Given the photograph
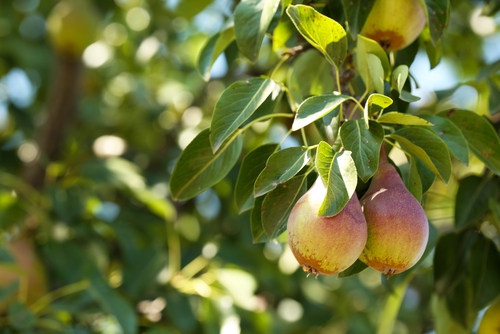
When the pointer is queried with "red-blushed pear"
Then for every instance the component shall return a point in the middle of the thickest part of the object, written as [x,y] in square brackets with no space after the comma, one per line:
[32,271]
[394,24]
[397,225]
[325,245]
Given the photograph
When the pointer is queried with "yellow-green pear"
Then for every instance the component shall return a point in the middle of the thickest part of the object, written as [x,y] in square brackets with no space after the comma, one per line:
[394,24]
[72,26]
[490,323]
[397,225]
[325,245]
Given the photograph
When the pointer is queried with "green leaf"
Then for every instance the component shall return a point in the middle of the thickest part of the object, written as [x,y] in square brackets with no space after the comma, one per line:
[112,302]
[438,15]
[213,49]
[364,143]
[278,204]
[372,63]
[495,210]
[403,119]
[258,232]
[399,77]
[428,147]
[356,13]
[328,126]
[459,302]
[310,75]
[472,200]
[326,35]
[268,106]
[480,134]
[236,104]
[324,159]
[186,9]
[342,181]
[426,176]
[408,97]
[354,269]
[375,104]
[451,135]
[251,21]
[21,317]
[316,107]
[281,34]
[198,168]
[433,50]
[414,183]
[484,265]
[252,165]
[281,167]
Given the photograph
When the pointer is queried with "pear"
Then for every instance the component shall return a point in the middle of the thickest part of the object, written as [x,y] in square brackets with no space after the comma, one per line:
[490,323]
[394,24]
[325,245]
[397,225]
[29,267]
[72,26]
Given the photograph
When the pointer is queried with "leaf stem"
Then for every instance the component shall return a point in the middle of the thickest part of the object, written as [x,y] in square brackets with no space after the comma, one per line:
[280,63]
[48,298]
[304,138]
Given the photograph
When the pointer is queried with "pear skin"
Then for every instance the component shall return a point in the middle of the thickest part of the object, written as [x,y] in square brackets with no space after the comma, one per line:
[397,225]
[395,24]
[325,245]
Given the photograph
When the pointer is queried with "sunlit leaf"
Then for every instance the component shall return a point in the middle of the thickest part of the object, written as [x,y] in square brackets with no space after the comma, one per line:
[342,181]
[281,167]
[251,21]
[324,159]
[403,119]
[236,104]
[316,107]
[198,168]
[375,104]
[364,143]
[326,35]
[372,63]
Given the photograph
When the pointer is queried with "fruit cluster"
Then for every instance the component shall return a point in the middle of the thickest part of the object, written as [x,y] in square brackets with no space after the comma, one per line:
[387,229]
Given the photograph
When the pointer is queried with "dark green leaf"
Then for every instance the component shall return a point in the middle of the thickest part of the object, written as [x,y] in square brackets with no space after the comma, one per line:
[236,104]
[403,119]
[480,134]
[253,164]
[188,11]
[326,35]
[356,13]
[495,210]
[278,204]
[342,181]
[451,135]
[354,269]
[213,49]
[426,176]
[484,265]
[316,107]
[472,200]
[414,183]
[251,21]
[258,232]
[459,302]
[328,126]
[198,168]
[428,147]
[21,317]
[113,303]
[281,167]
[311,74]
[268,106]
[438,12]
[434,50]
[364,144]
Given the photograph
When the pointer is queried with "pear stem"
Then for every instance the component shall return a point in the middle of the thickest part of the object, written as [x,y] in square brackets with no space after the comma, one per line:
[383,154]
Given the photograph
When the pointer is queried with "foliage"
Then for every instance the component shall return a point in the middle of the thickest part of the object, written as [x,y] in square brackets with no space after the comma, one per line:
[156,185]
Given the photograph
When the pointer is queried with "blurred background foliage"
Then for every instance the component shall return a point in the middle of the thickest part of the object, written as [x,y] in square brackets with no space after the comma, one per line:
[104,248]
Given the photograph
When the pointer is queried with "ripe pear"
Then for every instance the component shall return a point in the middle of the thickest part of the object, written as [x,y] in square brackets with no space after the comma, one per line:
[325,245]
[72,26]
[397,225]
[490,324]
[31,268]
[395,24]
